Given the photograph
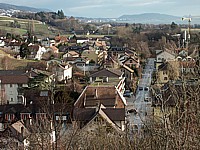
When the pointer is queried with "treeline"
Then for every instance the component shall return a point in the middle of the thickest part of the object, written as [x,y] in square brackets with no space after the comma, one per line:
[41,16]
[57,19]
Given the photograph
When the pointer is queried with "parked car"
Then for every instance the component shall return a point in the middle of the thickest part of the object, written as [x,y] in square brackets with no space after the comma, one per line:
[128,93]
[140,88]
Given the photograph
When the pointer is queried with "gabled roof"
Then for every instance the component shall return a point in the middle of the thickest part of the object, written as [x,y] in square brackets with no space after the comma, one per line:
[14,79]
[115,114]
[108,72]
[96,95]
[166,51]
[83,114]
[163,66]
[86,116]
[132,58]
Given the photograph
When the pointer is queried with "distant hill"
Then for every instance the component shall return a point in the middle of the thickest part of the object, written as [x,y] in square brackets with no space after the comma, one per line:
[9,7]
[154,18]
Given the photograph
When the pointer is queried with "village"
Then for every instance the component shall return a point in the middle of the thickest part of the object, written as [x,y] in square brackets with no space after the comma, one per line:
[69,88]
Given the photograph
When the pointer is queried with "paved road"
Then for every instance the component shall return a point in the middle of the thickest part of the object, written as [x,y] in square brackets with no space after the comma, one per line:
[142,103]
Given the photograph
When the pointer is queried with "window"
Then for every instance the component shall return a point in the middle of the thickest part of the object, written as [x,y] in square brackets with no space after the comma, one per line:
[164,72]
[11,99]
[10,85]
[19,85]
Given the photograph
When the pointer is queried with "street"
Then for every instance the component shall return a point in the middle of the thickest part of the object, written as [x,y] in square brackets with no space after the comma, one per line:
[142,103]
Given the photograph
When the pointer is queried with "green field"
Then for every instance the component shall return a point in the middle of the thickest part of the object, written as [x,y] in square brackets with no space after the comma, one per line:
[40,29]
[16,31]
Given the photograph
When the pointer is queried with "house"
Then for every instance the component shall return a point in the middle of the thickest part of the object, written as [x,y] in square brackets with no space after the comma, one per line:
[40,52]
[108,76]
[186,62]
[105,101]
[122,58]
[2,43]
[54,49]
[34,50]
[14,46]
[162,73]
[60,40]
[91,120]
[93,96]
[187,66]
[15,136]
[81,40]
[163,56]
[14,82]
[47,42]
[116,51]
[129,73]
[71,54]
[63,72]
[132,62]
[11,81]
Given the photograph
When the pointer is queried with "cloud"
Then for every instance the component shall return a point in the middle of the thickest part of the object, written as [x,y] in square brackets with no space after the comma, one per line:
[106,8]
[80,8]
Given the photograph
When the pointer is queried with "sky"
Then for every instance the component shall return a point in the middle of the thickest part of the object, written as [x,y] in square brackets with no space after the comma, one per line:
[114,8]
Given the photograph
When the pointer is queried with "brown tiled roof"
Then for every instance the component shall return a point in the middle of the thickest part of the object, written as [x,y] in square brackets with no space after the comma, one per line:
[14,79]
[11,72]
[100,95]
[115,114]
[107,72]
[108,102]
[83,114]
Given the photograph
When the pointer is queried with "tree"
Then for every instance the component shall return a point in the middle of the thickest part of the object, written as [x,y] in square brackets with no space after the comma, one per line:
[24,50]
[61,14]
[174,26]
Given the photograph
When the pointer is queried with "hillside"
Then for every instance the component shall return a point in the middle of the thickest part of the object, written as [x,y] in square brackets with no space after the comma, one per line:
[154,18]
[40,29]
[9,63]
[6,7]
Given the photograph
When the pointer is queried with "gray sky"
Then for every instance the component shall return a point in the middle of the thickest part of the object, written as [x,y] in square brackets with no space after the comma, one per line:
[114,8]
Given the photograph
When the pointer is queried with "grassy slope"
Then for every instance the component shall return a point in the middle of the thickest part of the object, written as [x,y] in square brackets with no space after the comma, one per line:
[40,28]
[11,63]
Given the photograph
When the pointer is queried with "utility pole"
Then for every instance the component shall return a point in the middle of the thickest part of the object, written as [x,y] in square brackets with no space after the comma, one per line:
[187,36]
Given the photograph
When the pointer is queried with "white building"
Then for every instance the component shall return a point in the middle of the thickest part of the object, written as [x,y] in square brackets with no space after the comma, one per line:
[10,88]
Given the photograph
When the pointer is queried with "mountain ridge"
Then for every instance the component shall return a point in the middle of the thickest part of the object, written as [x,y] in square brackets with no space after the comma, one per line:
[150,18]
[5,6]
